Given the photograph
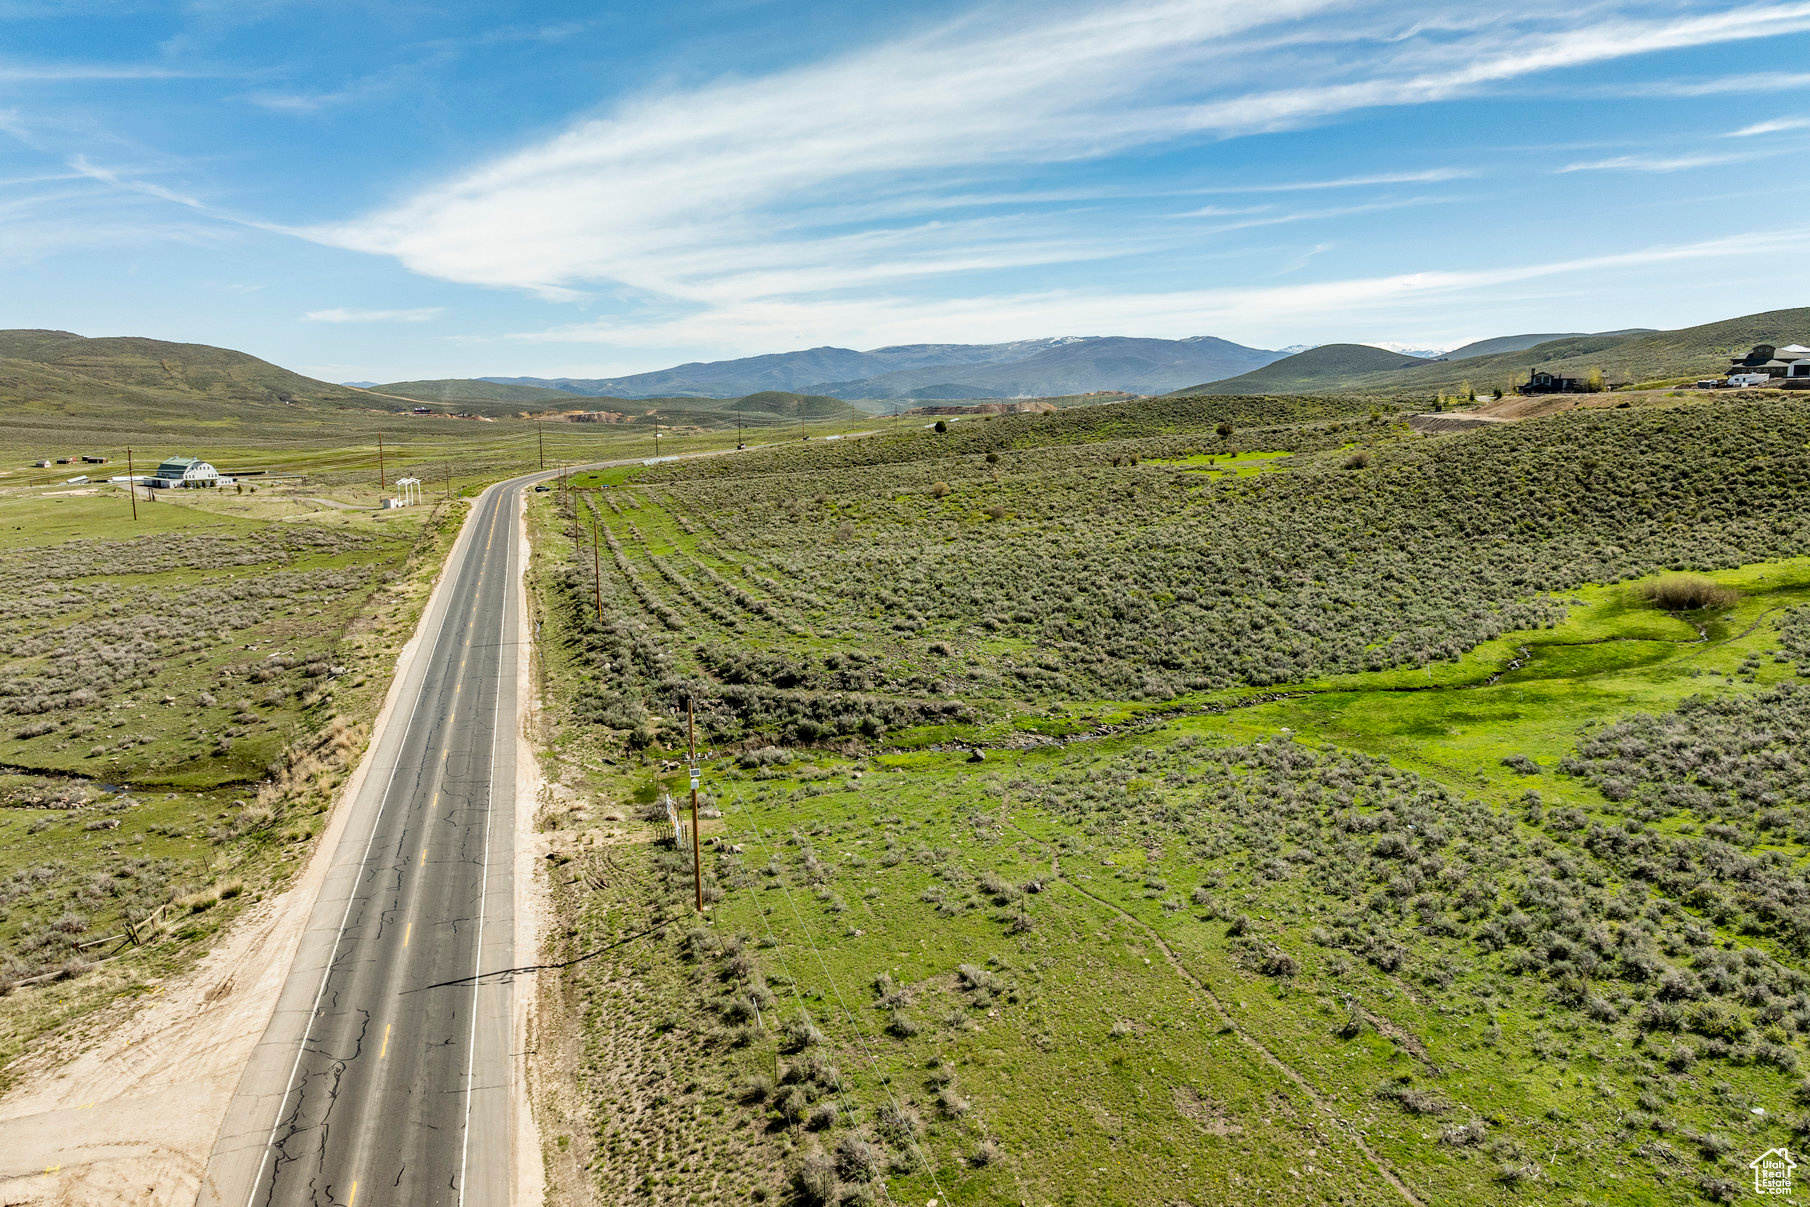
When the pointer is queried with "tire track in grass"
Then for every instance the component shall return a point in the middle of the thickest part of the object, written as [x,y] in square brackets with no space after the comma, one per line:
[1268,1057]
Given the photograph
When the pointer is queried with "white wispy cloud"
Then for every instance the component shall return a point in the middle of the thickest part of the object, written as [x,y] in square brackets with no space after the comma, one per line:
[1651,163]
[24,73]
[665,194]
[1723,85]
[1429,176]
[878,321]
[342,314]
[1337,211]
[1776,126]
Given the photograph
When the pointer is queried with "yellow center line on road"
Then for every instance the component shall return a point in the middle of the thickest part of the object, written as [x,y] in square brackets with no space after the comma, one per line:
[424,849]
[353,1197]
[386,1042]
[407,933]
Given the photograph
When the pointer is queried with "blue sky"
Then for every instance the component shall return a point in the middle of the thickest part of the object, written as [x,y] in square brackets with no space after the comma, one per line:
[385,191]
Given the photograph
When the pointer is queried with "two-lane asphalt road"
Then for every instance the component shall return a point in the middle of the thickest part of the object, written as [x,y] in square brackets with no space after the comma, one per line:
[384,1076]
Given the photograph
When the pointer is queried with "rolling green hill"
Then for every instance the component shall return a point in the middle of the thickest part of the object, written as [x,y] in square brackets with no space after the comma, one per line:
[502,398]
[56,386]
[467,389]
[59,389]
[1622,357]
[785,405]
[60,370]
[1311,372]
[1508,343]
[1515,343]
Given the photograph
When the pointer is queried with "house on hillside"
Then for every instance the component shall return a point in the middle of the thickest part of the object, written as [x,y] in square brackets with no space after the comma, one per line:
[185,472]
[1793,360]
[1540,382]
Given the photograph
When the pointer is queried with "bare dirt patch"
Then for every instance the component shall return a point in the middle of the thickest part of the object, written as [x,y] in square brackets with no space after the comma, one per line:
[1205,1113]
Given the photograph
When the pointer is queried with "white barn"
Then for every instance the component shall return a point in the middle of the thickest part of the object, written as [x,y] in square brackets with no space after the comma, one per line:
[185,471]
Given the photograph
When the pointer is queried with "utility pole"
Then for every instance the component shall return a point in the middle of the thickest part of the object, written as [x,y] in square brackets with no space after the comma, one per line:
[739,442]
[691,766]
[596,569]
[656,434]
[380,480]
[538,435]
[131,486]
[449,481]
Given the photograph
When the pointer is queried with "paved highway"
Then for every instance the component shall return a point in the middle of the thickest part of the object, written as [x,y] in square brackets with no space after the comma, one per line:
[384,1076]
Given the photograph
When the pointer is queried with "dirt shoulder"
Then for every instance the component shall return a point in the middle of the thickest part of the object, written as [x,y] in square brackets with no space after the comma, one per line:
[531,905]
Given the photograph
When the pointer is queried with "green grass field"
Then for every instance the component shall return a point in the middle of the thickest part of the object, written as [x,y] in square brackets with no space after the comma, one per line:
[1163,1018]
[1464,928]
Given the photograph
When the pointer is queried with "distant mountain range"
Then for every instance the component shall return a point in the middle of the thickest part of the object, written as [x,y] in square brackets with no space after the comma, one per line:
[1037,368]
[1074,368]
[61,384]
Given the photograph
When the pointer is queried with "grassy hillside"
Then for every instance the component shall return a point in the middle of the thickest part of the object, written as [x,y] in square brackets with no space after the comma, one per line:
[1348,825]
[60,371]
[1642,356]
[1310,372]
[467,389]
[781,404]
[63,395]
[1516,343]
[1508,343]
[59,389]
[496,398]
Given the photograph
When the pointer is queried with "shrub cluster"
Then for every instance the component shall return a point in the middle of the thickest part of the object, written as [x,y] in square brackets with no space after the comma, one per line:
[1733,765]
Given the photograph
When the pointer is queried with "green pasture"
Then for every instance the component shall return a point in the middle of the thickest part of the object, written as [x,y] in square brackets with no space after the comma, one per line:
[1237,465]
[1115,1058]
